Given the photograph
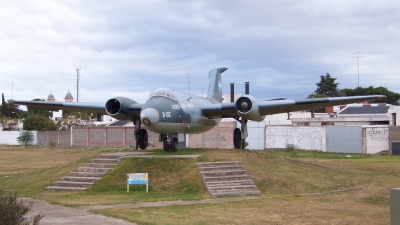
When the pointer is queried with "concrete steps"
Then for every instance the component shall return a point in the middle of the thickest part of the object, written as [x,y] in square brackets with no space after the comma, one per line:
[227,178]
[84,177]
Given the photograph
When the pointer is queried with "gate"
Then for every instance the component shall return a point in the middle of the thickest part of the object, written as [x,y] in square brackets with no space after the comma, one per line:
[344,139]
[395,148]
[256,138]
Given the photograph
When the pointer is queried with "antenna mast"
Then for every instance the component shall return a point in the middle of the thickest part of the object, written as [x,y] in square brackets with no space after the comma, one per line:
[78,76]
[188,77]
[358,65]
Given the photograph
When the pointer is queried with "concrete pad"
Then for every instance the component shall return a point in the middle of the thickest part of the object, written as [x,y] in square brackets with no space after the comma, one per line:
[55,214]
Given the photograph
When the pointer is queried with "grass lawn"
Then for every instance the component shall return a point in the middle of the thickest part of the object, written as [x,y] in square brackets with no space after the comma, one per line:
[288,180]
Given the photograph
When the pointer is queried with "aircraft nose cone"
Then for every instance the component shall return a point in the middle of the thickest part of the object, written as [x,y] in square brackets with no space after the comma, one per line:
[149,116]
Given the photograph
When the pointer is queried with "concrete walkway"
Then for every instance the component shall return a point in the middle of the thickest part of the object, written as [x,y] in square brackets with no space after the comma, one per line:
[167,203]
[55,214]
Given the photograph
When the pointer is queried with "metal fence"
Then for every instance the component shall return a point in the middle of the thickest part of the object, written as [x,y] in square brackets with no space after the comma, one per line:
[344,139]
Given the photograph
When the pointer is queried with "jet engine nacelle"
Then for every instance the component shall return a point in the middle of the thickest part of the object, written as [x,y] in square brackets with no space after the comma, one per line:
[117,108]
[247,107]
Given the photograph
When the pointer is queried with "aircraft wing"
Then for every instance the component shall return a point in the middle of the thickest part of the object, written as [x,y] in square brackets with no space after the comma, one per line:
[261,108]
[280,106]
[89,107]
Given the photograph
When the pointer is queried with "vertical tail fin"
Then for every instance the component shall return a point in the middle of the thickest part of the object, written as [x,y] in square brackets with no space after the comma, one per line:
[215,86]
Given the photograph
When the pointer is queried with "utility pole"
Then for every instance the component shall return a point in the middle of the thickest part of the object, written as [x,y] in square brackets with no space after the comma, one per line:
[188,77]
[358,65]
[78,72]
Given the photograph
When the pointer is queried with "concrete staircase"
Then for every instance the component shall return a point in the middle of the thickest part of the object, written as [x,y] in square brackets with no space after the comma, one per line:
[84,177]
[227,178]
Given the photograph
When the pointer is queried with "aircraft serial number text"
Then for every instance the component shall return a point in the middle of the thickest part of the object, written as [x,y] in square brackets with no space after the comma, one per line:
[175,106]
[166,114]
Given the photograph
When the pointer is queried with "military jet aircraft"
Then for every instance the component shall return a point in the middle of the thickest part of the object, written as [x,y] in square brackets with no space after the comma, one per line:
[172,114]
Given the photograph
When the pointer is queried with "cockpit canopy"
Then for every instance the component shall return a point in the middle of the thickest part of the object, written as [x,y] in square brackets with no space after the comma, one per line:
[164,92]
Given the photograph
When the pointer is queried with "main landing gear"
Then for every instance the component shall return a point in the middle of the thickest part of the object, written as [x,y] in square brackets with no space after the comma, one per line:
[240,134]
[143,139]
[237,138]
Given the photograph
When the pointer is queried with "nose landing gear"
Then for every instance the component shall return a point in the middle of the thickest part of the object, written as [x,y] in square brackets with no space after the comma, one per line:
[170,143]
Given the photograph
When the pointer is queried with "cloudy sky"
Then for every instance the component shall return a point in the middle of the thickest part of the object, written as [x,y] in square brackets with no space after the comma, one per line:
[129,48]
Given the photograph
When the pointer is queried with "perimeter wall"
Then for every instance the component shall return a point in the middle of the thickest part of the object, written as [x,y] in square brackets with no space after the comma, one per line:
[367,139]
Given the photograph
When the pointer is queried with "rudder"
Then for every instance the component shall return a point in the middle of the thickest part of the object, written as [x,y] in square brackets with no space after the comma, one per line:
[215,85]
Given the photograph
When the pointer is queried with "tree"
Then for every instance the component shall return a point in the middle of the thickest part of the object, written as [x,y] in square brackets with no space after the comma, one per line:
[25,138]
[4,107]
[38,122]
[10,110]
[327,86]
[391,97]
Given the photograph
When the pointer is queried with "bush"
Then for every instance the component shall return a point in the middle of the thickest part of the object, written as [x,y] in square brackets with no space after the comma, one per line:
[13,209]
[52,144]
[291,148]
[25,138]
[38,122]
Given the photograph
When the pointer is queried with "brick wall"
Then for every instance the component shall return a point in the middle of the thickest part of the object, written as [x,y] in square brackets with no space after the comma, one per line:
[61,138]
[110,136]
[95,136]
[221,137]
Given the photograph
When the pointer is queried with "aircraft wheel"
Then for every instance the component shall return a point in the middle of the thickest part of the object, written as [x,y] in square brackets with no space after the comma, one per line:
[166,145]
[143,139]
[237,138]
[174,145]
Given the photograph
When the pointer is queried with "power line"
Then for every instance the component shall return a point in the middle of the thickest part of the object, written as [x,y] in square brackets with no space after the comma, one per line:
[358,65]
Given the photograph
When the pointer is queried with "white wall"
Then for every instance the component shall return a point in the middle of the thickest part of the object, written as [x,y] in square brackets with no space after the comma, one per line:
[376,139]
[306,138]
[9,137]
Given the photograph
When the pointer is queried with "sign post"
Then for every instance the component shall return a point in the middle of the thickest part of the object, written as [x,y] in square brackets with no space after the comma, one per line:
[138,179]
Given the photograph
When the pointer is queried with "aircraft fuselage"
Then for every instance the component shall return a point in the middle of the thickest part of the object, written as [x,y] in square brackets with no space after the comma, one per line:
[168,112]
